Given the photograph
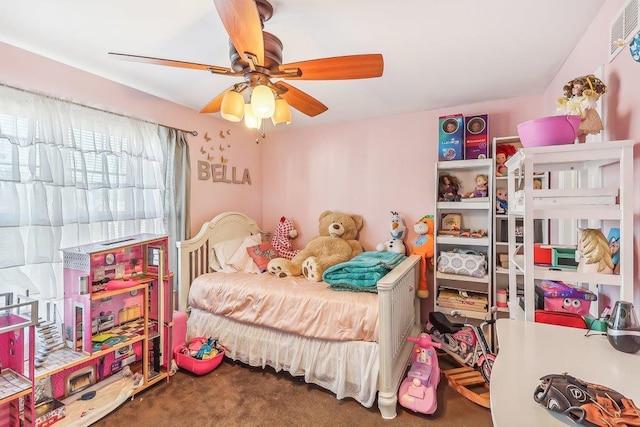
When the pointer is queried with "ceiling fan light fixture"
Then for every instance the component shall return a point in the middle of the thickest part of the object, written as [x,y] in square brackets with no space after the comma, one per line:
[263,102]
[250,119]
[282,112]
[232,107]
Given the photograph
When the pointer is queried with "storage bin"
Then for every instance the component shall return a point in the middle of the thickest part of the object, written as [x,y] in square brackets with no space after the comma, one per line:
[561,297]
[197,366]
[552,130]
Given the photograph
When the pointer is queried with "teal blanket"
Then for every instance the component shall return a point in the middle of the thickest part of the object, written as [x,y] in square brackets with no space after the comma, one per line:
[361,273]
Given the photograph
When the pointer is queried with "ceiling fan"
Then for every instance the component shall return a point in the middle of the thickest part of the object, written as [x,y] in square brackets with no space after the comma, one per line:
[256,55]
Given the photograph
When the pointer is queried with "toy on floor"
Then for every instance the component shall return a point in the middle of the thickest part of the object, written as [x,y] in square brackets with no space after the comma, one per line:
[418,390]
[465,342]
[397,229]
[424,246]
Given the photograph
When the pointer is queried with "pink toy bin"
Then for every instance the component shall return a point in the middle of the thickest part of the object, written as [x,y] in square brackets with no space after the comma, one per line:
[197,366]
[552,130]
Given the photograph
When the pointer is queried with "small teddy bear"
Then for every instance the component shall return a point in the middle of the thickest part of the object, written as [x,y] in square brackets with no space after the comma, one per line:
[282,236]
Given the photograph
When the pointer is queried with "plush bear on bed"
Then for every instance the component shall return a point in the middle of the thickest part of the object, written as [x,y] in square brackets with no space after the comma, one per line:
[336,243]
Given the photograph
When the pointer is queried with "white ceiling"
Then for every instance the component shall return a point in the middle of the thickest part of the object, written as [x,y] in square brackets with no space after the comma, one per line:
[437,53]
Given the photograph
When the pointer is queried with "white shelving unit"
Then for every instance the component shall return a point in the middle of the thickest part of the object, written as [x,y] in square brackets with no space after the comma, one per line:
[582,203]
[500,227]
[476,215]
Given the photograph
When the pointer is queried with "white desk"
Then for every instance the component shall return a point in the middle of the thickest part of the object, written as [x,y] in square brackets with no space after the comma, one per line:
[530,350]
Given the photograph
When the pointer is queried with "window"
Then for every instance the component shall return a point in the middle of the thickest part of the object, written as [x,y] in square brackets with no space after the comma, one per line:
[70,175]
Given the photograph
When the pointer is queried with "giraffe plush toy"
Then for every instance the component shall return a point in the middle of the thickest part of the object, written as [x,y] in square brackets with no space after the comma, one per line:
[282,236]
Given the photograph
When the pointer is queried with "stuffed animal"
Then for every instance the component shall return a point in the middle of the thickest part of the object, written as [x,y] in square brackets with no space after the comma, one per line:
[282,236]
[424,246]
[398,231]
[336,243]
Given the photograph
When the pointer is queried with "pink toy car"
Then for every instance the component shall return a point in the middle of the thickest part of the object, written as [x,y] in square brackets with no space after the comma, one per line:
[418,391]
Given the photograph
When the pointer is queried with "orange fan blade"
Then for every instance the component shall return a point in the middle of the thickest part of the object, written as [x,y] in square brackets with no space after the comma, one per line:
[171,63]
[300,100]
[336,68]
[242,21]
[214,105]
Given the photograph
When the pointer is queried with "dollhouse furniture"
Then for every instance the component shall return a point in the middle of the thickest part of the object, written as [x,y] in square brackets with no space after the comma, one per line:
[587,202]
[18,317]
[295,330]
[117,312]
[530,350]
[117,294]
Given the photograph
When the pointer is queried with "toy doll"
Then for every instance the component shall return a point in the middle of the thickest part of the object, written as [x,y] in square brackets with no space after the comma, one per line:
[537,184]
[481,189]
[503,152]
[502,206]
[594,252]
[580,97]
[448,189]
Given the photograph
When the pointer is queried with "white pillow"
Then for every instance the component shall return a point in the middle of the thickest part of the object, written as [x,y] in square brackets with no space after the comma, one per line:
[241,260]
[222,252]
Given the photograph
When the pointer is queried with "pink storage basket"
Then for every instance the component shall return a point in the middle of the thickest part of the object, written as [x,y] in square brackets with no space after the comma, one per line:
[552,130]
[197,366]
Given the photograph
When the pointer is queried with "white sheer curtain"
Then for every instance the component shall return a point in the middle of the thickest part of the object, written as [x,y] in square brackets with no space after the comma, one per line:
[70,175]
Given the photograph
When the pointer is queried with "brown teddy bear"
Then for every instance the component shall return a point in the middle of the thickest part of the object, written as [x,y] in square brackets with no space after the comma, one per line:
[336,243]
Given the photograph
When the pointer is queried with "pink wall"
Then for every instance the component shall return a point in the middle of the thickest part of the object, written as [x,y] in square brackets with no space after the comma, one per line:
[621,103]
[32,72]
[368,167]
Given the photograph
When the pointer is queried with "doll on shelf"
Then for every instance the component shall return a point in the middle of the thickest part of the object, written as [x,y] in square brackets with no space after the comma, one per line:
[448,187]
[503,152]
[537,184]
[481,189]
[580,97]
[502,206]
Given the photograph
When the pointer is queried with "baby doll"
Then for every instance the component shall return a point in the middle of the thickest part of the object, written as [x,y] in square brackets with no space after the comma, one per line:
[481,189]
[503,152]
[502,206]
[448,189]
[580,97]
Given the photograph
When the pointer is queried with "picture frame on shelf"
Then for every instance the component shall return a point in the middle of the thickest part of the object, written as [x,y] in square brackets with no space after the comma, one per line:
[451,222]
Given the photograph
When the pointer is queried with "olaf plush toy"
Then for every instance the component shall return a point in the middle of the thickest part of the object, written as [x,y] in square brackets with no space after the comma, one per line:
[398,230]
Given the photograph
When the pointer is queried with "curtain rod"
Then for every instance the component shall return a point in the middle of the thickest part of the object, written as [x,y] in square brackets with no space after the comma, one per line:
[192,132]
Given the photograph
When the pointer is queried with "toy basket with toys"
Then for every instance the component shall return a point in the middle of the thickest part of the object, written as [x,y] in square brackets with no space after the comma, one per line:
[199,355]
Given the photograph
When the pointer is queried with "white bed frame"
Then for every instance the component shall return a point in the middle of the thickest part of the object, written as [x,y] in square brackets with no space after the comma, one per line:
[398,313]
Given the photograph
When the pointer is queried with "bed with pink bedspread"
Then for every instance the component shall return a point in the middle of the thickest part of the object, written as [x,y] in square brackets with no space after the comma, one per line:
[351,343]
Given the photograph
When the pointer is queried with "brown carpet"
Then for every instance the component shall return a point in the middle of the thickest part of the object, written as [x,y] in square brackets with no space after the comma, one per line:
[236,394]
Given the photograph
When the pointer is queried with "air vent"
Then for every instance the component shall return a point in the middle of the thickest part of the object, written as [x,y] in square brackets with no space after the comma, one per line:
[623,28]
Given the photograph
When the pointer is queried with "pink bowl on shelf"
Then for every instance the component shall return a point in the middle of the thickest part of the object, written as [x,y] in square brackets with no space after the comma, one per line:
[552,130]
